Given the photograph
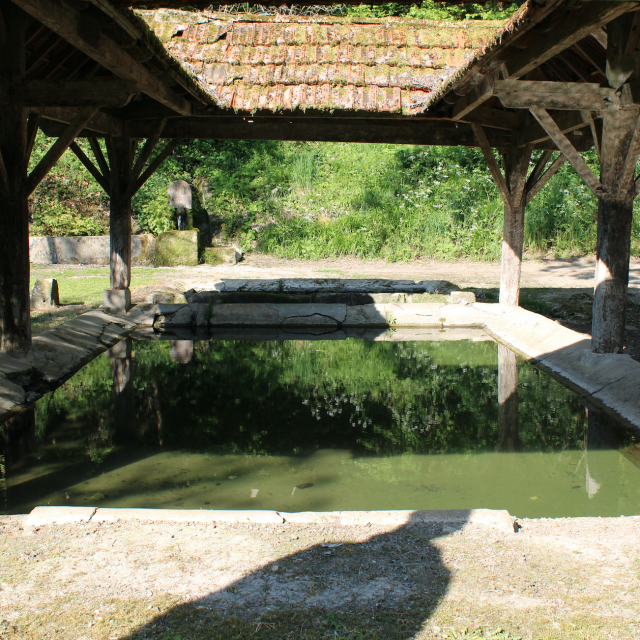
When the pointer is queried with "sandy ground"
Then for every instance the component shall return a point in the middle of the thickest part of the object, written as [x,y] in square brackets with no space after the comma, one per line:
[567,578]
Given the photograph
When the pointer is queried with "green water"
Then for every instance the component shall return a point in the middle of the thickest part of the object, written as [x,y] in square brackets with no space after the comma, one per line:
[318,425]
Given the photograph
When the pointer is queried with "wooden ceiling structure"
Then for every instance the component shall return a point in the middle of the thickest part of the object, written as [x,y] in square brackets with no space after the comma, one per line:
[560,75]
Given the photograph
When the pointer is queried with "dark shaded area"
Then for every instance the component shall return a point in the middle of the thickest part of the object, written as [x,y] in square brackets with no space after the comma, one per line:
[385,587]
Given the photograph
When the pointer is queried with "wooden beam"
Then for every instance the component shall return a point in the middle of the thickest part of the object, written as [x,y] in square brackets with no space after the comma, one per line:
[592,16]
[538,169]
[440,132]
[495,118]
[155,163]
[567,121]
[627,182]
[75,93]
[87,37]
[525,94]
[91,168]
[548,174]
[567,149]
[58,148]
[473,99]
[492,163]
[100,159]
[32,131]
[141,160]
[4,176]
[100,123]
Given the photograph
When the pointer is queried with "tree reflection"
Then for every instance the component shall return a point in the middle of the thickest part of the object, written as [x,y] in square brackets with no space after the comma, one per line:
[508,439]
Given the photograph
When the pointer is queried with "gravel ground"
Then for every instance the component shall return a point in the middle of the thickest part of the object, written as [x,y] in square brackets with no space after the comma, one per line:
[566,578]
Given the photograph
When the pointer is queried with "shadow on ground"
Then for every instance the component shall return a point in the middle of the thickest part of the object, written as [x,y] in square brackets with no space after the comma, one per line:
[383,587]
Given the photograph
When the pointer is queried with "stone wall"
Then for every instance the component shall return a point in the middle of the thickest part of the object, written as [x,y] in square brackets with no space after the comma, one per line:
[169,249]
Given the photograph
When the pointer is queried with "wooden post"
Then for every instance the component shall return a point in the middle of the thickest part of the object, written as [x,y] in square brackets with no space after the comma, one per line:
[618,156]
[508,439]
[15,329]
[516,165]
[120,151]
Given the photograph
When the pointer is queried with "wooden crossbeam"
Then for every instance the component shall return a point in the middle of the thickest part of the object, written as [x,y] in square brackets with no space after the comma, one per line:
[533,191]
[57,149]
[32,131]
[91,168]
[564,34]
[4,176]
[525,94]
[151,142]
[473,99]
[75,93]
[492,163]
[86,36]
[100,159]
[155,163]
[547,122]
[100,123]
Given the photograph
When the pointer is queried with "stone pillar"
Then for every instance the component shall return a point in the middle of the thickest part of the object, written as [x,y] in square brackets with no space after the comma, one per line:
[15,319]
[120,151]
[508,439]
[516,165]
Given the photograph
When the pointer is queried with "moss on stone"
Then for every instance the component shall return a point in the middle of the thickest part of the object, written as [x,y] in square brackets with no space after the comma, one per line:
[176,249]
[219,255]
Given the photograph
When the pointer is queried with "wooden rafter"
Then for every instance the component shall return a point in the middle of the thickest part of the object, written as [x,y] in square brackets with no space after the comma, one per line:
[87,37]
[567,121]
[564,34]
[473,99]
[563,143]
[57,149]
[4,176]
[100,123]
[32,131]
[535,188]
[91,168]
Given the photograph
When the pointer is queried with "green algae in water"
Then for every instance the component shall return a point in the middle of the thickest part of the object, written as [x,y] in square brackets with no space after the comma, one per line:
[319,425]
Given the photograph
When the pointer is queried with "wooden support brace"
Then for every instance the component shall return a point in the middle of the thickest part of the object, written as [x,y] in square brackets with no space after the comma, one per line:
[91,168]
[57,149]
[563,143]
[155,163]
[538,169]
[141,160]
[548,174]
[491,161]
[627,182]
[4,177]
[32,131]
[100,159]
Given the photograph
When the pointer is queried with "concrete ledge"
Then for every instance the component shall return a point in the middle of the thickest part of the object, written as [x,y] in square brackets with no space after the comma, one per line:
[499,519]
[187,515]
[59,515]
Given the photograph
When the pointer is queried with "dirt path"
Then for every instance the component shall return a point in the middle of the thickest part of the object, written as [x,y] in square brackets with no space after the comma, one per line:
[568,578]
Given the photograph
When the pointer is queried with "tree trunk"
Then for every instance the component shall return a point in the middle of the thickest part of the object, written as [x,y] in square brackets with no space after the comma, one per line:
[15,328]
[516,165]
[508,439]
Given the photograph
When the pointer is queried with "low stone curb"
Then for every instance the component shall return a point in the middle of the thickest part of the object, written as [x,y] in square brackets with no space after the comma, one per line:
[499,519]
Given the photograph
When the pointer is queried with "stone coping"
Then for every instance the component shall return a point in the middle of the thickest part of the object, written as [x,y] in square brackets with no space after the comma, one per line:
[609,382]
[498,518]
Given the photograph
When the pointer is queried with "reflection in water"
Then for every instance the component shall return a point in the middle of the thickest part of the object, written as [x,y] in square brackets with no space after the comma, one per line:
[181,351]
[507,400]
[360,425]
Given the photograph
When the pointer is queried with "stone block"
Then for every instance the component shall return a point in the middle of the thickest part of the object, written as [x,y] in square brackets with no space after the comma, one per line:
[623,397]
[58,515]
[224,315]
[221,255]
[310,314]
[44,295]
[12,367]
[461,297]
[372,315]
[176,248]
[11,395]
[117,299]
[183,316]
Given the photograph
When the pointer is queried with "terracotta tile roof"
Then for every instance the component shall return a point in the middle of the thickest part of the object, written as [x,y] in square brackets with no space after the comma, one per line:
[275,63]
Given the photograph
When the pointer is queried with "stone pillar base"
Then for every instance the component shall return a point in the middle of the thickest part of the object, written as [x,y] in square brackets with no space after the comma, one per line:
[117,299]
